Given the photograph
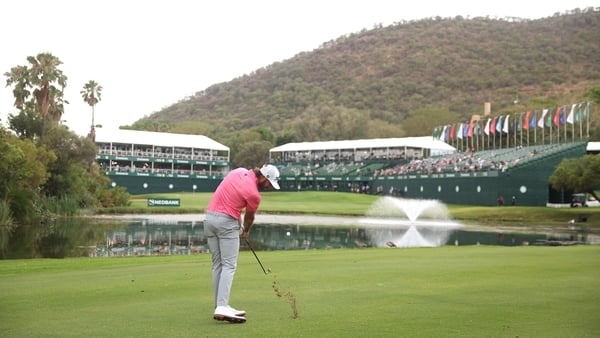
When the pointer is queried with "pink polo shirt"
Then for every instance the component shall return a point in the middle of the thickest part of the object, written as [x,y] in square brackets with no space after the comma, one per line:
[238,190]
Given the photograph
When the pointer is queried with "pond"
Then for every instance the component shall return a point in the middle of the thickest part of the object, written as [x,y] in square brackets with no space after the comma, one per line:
[131,235]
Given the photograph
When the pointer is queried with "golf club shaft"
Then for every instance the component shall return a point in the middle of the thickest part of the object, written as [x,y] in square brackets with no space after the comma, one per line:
[258,260]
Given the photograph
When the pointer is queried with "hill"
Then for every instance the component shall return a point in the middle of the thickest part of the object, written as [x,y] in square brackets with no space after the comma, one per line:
[398,80]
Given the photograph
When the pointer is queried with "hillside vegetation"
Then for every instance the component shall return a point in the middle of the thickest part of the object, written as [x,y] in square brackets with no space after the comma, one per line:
[398,80]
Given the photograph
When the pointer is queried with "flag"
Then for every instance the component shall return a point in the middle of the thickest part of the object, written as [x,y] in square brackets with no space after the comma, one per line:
[459,133]
[471,126]
[477,127]
[541,122]
[549,119]
[586,112]
[525,124]
[578,113]
[438,132]
[505,128]
[493,125]
[452,131]
[465,130]
[444,134]
[563,115]
[556,119]
[513,125]
[499,124]
[532,121]
[571,117]
[486,129]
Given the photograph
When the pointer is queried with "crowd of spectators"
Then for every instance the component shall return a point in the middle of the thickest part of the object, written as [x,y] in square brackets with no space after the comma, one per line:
[163,152]
[460,162]
[463,162]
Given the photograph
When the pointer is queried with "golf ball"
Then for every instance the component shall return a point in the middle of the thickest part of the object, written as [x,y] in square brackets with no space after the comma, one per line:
[287,233]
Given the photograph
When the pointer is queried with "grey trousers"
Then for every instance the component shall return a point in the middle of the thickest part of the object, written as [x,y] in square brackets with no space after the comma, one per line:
[223,234]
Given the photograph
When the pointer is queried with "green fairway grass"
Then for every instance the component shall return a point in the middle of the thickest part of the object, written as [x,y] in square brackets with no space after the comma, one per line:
[466,291]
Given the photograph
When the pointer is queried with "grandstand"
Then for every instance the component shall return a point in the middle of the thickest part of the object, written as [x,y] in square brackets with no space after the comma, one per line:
[151,162]
[425,170]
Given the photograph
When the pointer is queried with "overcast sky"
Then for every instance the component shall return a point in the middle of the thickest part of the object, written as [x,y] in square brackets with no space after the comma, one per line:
[150,54]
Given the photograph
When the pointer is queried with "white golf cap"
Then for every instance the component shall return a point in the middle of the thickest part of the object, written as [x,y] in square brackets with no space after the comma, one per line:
[271,173]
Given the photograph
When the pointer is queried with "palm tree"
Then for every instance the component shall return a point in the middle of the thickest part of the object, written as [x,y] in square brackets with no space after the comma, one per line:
[91,94]
[41,77]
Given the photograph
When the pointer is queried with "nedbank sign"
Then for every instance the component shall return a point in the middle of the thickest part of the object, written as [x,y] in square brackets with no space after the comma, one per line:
[164,202]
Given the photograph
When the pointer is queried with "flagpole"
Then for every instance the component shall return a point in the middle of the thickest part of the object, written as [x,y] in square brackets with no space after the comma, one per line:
[481,136]
[543,126]
[500,146]
[528,121]
[580,121]
[534,128]
[516,128]
[494,138]
[557,114]
[564,113]
[543,122]
[550,118]
[587,115]
[521,129]
[573,127]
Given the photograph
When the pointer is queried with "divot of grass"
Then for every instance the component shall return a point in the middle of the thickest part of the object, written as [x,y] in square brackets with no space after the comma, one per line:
[288,296]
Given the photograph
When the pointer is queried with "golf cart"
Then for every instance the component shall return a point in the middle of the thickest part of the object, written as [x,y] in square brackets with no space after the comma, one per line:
[581,200]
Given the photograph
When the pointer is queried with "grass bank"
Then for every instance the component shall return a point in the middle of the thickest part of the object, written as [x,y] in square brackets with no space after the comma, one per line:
[348,204]
[472,291]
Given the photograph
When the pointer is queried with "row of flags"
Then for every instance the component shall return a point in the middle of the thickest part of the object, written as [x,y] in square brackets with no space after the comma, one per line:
[518,122]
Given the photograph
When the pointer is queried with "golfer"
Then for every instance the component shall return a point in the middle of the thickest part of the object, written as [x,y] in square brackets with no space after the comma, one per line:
[224,225]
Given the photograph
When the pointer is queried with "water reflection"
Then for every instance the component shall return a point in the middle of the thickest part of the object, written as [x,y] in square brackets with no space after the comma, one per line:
[97,237]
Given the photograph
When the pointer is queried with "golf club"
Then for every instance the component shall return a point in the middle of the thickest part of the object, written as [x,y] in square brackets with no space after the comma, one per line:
[263,268]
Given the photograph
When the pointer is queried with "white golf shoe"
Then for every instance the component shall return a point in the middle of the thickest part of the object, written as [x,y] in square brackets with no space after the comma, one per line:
[239,313]
[228,314]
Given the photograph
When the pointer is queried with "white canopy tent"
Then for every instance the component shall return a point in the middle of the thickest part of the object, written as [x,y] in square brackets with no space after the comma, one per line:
[125,136]
[434,147]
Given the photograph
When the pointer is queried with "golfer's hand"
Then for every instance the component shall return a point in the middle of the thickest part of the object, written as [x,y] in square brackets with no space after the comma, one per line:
[244,235]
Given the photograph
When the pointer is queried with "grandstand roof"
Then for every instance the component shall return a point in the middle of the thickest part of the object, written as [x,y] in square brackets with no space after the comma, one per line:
[157,138]
[427,142]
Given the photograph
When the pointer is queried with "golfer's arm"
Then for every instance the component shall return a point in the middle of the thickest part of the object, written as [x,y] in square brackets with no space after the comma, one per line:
[248,221]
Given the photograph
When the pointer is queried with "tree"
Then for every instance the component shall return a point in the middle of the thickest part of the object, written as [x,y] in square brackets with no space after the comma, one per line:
[23,171]
[91,94]
[42,83]
[252,154]
[578,175]
[420,121]
[382,129]
[594,94]
[27,124]
[70,173]
[324,122]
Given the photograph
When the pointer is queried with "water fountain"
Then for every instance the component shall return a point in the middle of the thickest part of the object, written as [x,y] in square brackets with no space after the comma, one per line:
[399,222]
